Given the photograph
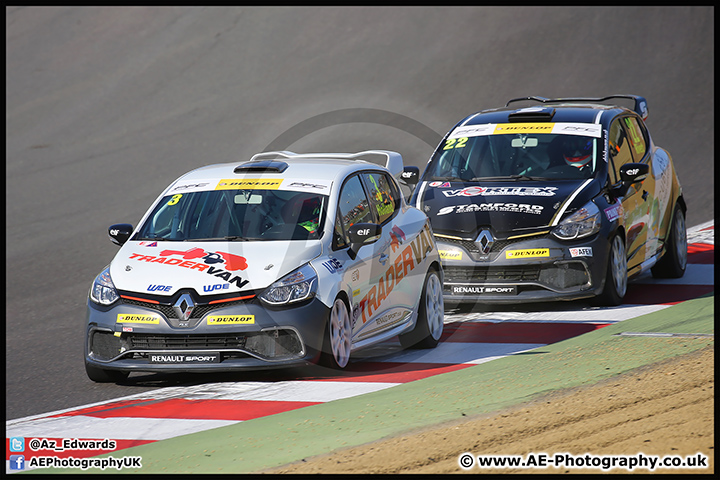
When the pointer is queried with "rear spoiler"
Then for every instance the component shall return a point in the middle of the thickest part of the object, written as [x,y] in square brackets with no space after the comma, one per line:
[393,162]
[640,107]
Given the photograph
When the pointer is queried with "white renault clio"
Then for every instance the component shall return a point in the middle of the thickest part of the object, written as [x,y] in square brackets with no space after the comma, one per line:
[283,260]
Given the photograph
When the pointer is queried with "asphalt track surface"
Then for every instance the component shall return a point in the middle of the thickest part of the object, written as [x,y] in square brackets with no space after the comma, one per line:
[105,106]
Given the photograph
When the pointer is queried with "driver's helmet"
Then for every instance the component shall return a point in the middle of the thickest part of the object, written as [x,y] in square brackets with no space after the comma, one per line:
[577,151]
[309,215]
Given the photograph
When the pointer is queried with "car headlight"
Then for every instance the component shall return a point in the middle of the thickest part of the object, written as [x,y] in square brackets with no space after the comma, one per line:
[102,290]
[293,287]
[582,223]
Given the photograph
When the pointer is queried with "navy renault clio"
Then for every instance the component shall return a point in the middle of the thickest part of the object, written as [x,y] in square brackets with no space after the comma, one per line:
[559,200]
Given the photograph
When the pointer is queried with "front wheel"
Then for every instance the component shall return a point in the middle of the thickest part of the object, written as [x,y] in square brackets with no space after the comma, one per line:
[431,316]
[337,343]
[615,276]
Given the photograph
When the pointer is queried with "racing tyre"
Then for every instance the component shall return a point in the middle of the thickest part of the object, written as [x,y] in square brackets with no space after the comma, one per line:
[431,315]
[336,351]
[104,376]
[673,263]
[616,275]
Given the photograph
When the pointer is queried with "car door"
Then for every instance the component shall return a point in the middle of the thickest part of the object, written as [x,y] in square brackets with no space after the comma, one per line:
[634,200]
[394,297]
[656,187]
[360,271]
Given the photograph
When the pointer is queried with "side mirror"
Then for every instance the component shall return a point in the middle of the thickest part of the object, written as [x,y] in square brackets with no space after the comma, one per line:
[120,233]
[634,172]
[410,175]
[630,173]
[362,234]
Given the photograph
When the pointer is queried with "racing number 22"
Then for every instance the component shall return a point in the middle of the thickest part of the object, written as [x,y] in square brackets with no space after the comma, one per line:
[450,144]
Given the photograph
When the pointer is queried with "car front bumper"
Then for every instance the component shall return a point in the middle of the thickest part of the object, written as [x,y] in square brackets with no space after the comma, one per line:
[278,337]
[536,269]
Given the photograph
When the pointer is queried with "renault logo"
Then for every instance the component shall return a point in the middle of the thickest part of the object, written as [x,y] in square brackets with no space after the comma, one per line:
[484,241]
[183,307]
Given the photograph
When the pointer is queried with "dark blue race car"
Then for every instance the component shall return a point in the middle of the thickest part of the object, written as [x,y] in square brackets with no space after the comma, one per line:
[561,200]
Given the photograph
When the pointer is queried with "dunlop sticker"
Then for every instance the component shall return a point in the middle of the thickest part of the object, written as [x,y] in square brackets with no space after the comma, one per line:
[535,252]
[231,320]
[524,128]
[450,254]
[132,318]
[249,184]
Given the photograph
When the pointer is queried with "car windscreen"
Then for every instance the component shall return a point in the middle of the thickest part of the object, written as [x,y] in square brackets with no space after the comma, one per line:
[236,215]
[515,156]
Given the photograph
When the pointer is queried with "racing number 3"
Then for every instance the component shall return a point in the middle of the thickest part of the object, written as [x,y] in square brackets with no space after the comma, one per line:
[450,144]
[175,199]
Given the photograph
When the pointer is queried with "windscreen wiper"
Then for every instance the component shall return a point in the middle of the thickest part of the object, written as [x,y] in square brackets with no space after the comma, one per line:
[513,178]
[449,179]
[229,238]
[158,239]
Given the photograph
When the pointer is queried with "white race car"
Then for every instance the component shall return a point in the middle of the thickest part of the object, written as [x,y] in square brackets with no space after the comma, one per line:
[283,260]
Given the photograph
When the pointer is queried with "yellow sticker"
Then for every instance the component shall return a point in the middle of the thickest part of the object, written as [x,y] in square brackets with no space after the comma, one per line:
[231,320]
[450,254]
[524,128]
[175,199]
[455,143]
[249,184]
[131,318]
[535,252]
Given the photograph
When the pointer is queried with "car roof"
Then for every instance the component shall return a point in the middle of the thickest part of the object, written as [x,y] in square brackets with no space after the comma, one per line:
[309,166]
[570,110]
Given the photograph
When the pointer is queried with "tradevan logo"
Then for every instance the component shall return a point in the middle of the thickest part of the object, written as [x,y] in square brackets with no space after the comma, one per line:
[412,256]
[211,262]
[232,262]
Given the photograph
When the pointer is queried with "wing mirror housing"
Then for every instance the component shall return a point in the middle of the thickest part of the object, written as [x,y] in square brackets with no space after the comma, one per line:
[634,172]
[630,173]
[410,175]
[120,233]
[362,234]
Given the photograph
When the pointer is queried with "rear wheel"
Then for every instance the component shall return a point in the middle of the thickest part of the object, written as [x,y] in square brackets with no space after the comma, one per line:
[336,351]
[616,274]
[431,315]
[673,263]
[100,375]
